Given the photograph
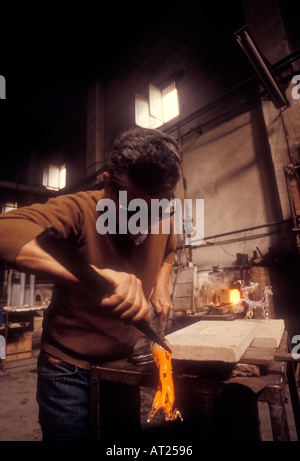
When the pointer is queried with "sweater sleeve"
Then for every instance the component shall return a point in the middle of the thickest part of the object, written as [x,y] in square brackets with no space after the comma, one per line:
[18,227]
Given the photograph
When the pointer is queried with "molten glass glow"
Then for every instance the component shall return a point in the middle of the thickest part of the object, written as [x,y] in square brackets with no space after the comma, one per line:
[165,395]
[234,296]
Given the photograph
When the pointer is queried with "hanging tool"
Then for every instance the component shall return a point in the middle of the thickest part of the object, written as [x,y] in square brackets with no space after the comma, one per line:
[51,241]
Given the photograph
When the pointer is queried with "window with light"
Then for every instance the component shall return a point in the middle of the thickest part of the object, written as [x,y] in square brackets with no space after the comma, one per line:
[54,177]
[161,107]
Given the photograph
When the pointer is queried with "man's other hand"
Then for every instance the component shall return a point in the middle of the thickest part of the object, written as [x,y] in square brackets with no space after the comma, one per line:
[127,301]
[161,301]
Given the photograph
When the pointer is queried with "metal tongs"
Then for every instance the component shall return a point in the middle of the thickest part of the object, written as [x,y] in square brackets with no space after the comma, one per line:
[53,243]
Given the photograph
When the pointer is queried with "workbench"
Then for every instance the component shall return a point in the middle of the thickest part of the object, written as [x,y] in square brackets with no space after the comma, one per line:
[18,320]
[204,383]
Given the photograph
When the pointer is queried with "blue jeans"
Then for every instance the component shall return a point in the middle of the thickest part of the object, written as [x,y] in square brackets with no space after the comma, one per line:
[63,394]
[63,398]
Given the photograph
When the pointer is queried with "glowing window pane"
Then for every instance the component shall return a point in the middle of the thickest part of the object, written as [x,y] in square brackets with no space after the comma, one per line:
[54,177]
[62,176]
[161,107]
[141,111]
[170,105]
[155,102]
[9,207]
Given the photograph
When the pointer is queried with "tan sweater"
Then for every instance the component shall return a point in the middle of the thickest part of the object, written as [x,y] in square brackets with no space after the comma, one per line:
[76,329]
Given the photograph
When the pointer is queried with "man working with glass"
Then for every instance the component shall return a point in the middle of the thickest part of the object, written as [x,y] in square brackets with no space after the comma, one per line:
[78,331]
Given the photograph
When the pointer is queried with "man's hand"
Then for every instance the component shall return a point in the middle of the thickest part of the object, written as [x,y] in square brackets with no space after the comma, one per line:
[160,298]
[128,301]
[161,301]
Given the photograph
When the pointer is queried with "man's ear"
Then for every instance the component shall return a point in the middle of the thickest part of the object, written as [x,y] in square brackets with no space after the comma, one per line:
[107,185]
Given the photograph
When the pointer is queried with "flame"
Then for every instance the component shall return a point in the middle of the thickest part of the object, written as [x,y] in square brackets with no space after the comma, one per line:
[234,296]
[165,395]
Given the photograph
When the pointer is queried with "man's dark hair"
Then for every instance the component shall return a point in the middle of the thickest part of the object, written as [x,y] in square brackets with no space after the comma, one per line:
[149,157]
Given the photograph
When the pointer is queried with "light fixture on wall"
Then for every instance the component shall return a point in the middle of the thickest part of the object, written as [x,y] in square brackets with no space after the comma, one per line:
[262,67]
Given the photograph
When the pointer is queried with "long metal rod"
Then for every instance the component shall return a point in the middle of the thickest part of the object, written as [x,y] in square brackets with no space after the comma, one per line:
[211,237]
[57,247]
[203,110]
[275,223]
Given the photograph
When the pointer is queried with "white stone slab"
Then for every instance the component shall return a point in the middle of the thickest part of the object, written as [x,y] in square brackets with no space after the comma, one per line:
[223,341]
[268,333]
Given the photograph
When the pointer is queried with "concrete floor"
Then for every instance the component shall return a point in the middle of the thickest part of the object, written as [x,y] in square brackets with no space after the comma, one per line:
[19,410]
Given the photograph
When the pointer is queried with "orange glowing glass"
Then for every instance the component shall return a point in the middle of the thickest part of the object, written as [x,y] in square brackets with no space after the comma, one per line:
[234,296]
[165,395]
